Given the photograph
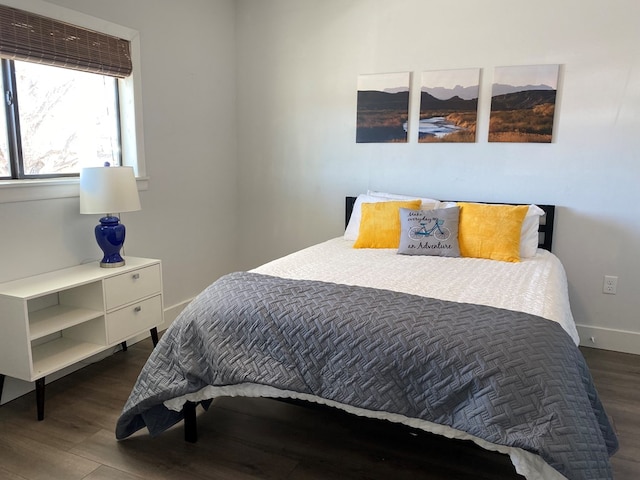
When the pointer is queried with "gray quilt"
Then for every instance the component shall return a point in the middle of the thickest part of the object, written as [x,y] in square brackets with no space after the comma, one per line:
[507,377]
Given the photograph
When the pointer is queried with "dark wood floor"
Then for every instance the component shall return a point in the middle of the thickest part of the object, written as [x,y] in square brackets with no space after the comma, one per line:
[261,438]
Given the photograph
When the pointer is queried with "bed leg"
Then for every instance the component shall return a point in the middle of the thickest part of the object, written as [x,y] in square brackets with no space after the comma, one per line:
[154,335]
[190,425]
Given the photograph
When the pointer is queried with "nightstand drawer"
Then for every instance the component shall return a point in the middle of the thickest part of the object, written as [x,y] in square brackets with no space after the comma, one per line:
[134,319]
[131,286]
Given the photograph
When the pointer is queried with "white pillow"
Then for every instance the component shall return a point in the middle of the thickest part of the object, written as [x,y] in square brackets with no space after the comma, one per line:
[529,234]
[427,203]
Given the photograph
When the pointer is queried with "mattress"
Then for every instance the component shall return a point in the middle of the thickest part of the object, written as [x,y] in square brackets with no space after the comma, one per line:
[536,285]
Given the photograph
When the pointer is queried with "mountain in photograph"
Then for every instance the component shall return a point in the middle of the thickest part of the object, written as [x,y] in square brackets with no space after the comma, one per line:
[523,100]
[396,90]
[503,89]
[465,93]
[377,100]
[429,103]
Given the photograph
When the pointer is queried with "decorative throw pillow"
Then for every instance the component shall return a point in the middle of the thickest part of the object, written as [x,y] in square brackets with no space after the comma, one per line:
[429,232]
[380,224]
[491,231]
[353,227]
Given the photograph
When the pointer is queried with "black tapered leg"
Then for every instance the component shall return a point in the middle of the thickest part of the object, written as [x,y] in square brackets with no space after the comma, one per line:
[40,398]
[190,424]
[124,346]
[154,336]
[1,385]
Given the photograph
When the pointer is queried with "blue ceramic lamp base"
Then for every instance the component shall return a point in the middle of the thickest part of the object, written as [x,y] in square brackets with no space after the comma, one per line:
[110,237]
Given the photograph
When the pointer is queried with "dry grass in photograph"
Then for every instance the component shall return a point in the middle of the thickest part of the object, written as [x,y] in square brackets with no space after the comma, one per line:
[523,125]
[381,126]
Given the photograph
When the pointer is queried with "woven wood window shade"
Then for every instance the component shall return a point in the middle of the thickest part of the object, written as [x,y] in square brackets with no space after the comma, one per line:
[34,38]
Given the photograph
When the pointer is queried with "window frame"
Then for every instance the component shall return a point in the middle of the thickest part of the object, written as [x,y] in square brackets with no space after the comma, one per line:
[14,147]
[129,102]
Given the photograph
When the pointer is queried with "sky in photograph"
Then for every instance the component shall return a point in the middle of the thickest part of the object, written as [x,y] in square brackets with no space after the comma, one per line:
[384,81]
[451,78]
[515,76]
[527,75]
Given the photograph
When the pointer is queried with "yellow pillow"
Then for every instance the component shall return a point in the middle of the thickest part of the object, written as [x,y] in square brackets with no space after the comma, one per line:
[491,231]
[380,224]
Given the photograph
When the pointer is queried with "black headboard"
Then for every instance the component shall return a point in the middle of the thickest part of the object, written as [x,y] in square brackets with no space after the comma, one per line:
[545,230]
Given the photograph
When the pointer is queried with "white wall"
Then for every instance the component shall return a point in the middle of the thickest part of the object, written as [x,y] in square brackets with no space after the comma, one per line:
[294,64]
[188,212]
[298,61]
[188,89]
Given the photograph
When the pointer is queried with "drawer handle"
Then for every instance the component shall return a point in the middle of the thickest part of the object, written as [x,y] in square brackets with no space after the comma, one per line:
[135,276]
[137,309]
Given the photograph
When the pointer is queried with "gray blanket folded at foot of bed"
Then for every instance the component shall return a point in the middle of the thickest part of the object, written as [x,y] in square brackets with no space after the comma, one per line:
[507,377]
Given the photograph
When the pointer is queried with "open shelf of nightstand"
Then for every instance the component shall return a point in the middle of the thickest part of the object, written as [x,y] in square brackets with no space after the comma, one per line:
[57,318]
[52,356]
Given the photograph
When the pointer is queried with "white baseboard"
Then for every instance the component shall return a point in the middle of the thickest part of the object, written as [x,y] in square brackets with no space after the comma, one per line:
[609,339]
[14,388]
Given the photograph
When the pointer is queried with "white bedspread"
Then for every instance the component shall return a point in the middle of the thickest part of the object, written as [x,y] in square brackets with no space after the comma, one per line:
[535,285]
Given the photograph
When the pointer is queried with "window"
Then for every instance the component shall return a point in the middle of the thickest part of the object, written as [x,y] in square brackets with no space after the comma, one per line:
[59,121]
[76,44]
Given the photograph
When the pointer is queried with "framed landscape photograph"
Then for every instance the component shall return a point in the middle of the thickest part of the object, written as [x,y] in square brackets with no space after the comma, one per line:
[523,103]
[383,108]
[449,106]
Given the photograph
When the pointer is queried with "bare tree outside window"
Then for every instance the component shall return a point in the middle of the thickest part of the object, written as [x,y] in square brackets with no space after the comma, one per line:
[68,119]
[4,144]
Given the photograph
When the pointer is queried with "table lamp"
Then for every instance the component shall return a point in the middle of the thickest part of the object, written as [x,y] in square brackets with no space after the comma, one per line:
[109,191]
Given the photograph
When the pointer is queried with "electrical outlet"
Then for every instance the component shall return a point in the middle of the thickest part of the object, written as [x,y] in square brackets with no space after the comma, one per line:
[610,284]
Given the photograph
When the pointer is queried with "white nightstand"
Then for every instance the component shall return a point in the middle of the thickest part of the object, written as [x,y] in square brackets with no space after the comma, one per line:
[59,318]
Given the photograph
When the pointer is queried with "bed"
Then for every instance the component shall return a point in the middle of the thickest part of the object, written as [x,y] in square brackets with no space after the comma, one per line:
[465,347]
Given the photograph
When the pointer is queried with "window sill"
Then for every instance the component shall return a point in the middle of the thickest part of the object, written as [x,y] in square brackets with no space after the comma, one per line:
[12,191]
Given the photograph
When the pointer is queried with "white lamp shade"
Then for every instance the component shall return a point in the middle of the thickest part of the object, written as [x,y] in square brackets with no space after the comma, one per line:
[108,190]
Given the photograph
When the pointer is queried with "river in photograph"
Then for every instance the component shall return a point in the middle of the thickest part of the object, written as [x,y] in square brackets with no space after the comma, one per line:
[435,126]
